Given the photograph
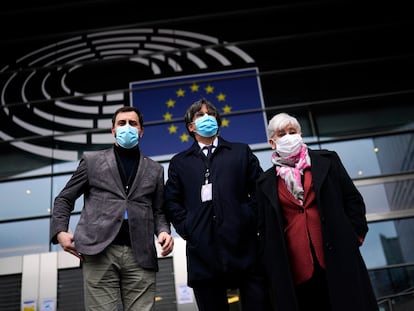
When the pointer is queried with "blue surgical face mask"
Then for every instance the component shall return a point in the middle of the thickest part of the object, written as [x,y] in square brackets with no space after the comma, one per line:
[206,126]
[127,136]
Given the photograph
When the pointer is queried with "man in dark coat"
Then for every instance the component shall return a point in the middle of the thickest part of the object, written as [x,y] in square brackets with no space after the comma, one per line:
[312,223]
[210,201]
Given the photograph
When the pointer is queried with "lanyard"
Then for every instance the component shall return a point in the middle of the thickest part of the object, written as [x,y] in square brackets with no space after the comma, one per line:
[206,162]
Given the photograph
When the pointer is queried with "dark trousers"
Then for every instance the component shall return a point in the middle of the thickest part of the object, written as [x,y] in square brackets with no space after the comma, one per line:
[212,296]
[314,293]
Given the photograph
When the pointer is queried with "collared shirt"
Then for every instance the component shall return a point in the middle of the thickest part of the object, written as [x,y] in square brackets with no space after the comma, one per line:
[215,143]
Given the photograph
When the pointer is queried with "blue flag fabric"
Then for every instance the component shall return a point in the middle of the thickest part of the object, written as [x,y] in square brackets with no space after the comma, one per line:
[163,103]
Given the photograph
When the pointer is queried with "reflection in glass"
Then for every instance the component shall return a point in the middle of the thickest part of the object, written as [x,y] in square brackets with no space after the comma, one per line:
[265,158]
[65,167]
[395,153]
[389,243]
[24,237]
[375,198]
[394,287]
[358,156]
[389,254]
[389,196]
[21,161]
[25,198]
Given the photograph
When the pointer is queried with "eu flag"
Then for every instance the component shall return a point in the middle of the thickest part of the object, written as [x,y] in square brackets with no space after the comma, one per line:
[163,103]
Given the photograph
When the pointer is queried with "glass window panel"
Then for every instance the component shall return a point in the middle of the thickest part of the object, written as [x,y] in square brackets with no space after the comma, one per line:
[358,156]
[35,172]
[376,156]
[24,158]
[393,286]
[65,167]
[374,114]
[24,237]
[375,198]
[25,198]
[391,196]
[389,243]
[264,158]
[395,153]
[59,183]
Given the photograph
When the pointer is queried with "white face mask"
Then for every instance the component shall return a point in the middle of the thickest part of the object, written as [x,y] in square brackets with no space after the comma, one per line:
[289,145]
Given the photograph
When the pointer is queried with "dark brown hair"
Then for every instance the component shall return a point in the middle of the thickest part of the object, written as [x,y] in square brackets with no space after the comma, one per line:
[127,109]
[196,107]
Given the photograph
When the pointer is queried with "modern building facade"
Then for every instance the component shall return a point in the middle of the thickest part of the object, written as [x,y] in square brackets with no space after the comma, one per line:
[343,69]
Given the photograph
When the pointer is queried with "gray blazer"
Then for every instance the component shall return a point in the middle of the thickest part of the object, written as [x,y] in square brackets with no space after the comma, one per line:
[105,202]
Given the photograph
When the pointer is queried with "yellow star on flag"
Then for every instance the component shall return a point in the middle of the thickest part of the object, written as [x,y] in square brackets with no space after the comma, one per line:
[226,109]
[164,103]
[172,129]
[167,116]
[221,97]
[184,137]
[209,89]
[180,93]
[194,87]
[225,122]
[170,103]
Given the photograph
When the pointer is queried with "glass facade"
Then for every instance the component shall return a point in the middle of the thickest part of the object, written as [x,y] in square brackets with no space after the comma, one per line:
[345,79]
[384,178]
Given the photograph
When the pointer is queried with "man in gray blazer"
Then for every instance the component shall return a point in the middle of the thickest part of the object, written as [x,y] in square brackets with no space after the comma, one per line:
[123,208]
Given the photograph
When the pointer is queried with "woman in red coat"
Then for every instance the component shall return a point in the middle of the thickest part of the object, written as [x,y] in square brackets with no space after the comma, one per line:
[312,223]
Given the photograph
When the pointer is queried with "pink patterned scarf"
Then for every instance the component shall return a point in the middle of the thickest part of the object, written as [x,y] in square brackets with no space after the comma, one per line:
[290,170]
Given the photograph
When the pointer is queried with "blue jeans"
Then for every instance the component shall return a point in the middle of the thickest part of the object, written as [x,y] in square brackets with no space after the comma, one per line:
[113,275]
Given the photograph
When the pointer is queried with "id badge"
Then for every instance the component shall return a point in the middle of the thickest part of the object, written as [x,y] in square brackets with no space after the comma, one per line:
[206,192]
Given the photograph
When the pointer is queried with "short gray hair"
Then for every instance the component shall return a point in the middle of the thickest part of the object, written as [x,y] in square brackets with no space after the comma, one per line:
[279,122]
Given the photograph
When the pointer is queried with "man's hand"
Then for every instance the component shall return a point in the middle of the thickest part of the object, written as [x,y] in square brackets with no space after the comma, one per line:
[65,240]
[167,243]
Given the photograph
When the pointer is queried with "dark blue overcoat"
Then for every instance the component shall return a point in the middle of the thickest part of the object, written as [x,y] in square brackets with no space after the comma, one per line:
[221,234]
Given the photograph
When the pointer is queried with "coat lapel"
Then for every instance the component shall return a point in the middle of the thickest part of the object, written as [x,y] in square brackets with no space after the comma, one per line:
[269,186]
[319,167]
[140,173]
[112,163]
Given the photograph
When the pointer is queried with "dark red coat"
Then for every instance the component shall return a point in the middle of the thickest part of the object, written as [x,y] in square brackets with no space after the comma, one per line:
[303,229]
[342,214]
